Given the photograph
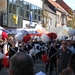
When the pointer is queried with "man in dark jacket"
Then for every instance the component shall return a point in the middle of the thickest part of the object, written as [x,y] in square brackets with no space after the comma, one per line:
[72,64]
[52,56]
[63,56]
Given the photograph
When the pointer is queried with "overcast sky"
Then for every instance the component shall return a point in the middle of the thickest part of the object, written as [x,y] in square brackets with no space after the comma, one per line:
[70,3]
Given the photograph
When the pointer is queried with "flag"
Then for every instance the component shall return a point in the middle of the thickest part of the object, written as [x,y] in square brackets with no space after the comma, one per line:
[15,17]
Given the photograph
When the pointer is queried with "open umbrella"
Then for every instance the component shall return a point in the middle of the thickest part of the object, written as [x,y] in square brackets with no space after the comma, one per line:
[24,32]
[13,31]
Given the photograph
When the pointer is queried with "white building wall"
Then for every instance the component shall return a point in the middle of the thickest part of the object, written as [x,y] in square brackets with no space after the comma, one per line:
[53,17]
[27,22]
[35,2]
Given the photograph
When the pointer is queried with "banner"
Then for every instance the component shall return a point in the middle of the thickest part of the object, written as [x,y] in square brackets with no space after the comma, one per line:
[31,18]
[15,17]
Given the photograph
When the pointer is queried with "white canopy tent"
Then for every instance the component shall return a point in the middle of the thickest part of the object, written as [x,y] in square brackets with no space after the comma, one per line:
[1,27]
[4,30]
[61,31]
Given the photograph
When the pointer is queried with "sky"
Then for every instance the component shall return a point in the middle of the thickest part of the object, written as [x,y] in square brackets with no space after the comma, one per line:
[70,3]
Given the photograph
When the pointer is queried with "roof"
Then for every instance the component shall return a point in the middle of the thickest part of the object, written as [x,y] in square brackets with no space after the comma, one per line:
[57,6]
[48,9]
[53,3]
[65,6]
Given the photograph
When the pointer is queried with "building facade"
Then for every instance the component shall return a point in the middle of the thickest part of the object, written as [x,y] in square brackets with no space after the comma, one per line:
[17,13]
[50,17]
[32,13]
[61,14]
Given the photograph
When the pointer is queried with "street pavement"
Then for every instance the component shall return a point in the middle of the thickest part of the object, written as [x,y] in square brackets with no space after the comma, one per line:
[39,66]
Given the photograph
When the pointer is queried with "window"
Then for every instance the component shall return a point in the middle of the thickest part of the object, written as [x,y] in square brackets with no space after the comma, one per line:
[20,11]
[17,1]
[64,20]
[24,4]
[39,18]
[27,14]
[35,9]
[5,19]
[24,8]
[10,1]
[27,6]
[10,8]
[31,7]
[39,12]
[35,17]
[58,18]
[14,1]
[24,13]
[21,2]
[17,10]
[14,9]
[50,21]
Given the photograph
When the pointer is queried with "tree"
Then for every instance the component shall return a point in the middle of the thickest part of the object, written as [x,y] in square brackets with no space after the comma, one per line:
[45,15]
[46,18]
[71,22]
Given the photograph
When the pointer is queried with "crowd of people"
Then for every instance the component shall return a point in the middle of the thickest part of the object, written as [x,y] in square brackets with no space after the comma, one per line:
[23,56]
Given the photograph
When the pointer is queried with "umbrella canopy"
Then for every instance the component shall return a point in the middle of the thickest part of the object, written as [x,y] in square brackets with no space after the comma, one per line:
[4,30]
[1,27]
[13,31]
[23,31]
[7,31]
[33,32]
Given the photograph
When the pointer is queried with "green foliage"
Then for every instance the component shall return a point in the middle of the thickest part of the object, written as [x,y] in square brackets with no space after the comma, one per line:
[45,15]
[71,22]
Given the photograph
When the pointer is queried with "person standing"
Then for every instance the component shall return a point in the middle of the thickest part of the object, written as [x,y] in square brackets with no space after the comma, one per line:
[1,53]
[72,64]
[69,46]
[63,55]
[52,56]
